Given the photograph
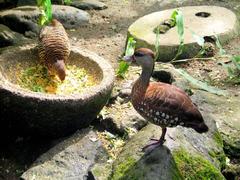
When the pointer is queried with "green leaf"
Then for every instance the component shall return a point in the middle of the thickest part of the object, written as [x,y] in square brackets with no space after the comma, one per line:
[199,39]
[173,16]
[200,84]
[157,43]
[221,50]
[45,7]
[236,62]
[122,69]
[178,17]
[123,66]
[180,27]
[130,46]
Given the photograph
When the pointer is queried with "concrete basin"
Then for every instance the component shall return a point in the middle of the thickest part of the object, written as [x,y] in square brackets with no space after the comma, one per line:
[46,114]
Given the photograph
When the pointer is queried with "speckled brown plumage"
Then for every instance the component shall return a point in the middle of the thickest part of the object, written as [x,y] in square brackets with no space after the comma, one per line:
[160,103]
[164,105]
[54,48]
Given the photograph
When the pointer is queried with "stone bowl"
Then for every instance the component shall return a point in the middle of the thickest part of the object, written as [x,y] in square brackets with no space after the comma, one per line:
[46,114]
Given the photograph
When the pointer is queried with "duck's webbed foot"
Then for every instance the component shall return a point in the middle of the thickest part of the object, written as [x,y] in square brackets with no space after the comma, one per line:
[159,142]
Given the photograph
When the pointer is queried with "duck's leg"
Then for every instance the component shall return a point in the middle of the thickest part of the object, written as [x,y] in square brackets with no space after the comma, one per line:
[158,142]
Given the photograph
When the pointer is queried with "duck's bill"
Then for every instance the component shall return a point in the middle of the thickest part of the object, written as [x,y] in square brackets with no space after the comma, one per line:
[129,58]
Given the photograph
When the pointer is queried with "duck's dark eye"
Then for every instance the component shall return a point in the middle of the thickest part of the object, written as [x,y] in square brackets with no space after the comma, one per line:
[138,54]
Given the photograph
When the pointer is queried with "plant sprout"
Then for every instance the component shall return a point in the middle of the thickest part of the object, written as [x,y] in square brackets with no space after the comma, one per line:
[123,66]
[45,6]
[177,17]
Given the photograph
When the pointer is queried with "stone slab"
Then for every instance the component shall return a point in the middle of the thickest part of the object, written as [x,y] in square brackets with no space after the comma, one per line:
[70,159]
[9,37]
[24,19]
[88,4]
[220,21]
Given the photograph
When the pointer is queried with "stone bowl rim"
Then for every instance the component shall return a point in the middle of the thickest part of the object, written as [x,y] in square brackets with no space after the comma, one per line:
[107,80]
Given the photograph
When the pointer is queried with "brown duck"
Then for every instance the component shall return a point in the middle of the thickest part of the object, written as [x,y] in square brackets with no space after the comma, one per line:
[54,48]
[162,104]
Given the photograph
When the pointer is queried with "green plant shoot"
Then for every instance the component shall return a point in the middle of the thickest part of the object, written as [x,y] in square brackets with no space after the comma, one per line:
[123,66]
[200,41]
[236,62]
[157,44]
[200,84]
[45,7]
[221,50]
[233,70]
[177,17]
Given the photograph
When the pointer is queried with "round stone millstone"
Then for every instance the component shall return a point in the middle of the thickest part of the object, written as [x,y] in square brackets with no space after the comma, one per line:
[205,21]
[52,115]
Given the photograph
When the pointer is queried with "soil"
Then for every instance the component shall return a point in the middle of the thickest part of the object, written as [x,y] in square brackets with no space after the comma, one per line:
[106,35]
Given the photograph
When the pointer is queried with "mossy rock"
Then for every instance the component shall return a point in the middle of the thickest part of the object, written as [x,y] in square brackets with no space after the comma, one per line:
[179,158]
[195,166]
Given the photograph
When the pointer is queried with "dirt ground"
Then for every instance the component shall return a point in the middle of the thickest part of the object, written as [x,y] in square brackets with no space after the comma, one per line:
[107,31]
[106,35]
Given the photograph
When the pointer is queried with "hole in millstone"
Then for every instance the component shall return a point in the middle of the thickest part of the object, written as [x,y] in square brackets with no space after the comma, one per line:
[203,14]
[210,39]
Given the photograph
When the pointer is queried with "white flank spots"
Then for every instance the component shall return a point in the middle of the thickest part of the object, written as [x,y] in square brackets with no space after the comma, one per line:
[157,113]
[163,114]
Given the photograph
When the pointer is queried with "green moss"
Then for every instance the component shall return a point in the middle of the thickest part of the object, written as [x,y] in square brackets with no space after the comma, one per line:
[218,138]
[102,171]
[195,167]
[220,156]
[231,146]
[122,169]
[176,174]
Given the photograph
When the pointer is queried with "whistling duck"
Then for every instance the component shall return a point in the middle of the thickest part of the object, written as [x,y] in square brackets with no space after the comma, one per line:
[162,104]
[54,48]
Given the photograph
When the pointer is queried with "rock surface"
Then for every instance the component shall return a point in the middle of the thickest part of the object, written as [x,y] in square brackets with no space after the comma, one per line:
[185,154]
[88,4]
[9,37]
[34,2]
[122,118]
[24,19]
[70,159]
[216,20]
